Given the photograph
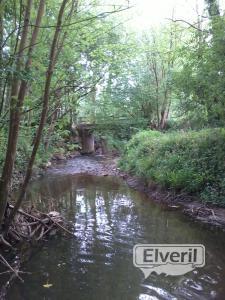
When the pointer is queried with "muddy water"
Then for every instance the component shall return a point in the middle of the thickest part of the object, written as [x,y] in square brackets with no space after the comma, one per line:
[109,219]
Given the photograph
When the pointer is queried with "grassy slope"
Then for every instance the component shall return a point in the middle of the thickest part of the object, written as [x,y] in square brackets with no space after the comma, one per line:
[192,161]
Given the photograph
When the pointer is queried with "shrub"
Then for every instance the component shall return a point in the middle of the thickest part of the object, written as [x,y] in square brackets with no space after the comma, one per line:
[192,161]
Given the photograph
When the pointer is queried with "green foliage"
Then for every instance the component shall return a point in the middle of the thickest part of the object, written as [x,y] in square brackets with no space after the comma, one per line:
[73,147]
[137,84]
[23,150]
[200,80]
[115,143]
[186,161]
[43,155]
[171,78]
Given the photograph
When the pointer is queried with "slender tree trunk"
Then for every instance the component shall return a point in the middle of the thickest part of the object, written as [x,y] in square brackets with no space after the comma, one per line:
[164,117]
[2,85]
[165,110]
[1,49]
[154,66]
[51,126]
[46,95]
[17,103]
[60,44]
[6,177]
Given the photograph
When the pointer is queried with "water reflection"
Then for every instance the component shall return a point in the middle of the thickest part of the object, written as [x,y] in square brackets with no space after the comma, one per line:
[109,219]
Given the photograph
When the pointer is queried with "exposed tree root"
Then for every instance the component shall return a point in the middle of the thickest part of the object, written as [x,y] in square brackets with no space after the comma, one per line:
[33,226]
[27,227]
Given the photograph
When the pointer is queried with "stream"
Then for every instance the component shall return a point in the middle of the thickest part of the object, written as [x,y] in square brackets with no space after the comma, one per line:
[109,219]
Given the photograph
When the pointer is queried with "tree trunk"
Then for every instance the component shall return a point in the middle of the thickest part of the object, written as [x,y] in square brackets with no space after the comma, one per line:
[46,95]
[1,51]
[6,177]
[51,126]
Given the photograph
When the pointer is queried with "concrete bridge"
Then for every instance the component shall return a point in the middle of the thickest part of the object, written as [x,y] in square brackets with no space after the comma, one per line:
[86,130]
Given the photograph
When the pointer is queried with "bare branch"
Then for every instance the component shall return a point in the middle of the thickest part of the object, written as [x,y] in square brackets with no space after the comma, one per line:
[188,23]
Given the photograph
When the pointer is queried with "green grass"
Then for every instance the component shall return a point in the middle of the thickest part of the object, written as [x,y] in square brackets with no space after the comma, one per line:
[193,162]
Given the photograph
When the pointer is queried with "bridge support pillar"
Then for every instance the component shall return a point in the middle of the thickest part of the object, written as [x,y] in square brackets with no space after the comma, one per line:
[87,139]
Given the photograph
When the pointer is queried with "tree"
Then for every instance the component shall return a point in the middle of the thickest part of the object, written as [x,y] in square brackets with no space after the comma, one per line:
[24,114]
[200,80]
[18,92]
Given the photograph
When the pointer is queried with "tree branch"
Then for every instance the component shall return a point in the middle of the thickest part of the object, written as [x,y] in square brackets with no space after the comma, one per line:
[186,22]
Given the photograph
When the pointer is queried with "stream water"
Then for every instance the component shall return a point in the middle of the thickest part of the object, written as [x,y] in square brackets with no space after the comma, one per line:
[109,219]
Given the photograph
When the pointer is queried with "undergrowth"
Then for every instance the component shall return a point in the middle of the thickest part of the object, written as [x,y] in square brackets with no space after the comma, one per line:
[193,162]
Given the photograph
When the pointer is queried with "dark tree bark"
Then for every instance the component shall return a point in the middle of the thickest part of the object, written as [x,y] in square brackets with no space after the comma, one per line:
[6,177]
[52,61]
[1,49]
[18,94]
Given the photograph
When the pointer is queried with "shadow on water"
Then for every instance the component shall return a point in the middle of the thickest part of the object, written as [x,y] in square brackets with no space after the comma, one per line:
[109,219]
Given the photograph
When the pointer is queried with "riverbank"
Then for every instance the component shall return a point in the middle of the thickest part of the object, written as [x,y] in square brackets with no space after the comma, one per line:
[210,215]
[63,173]
[107,219]
[190,162]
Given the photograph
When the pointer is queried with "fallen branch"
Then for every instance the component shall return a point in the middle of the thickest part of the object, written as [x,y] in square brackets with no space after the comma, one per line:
[4,261]
[57,223]
[4,242]
[32,226]
[28,215]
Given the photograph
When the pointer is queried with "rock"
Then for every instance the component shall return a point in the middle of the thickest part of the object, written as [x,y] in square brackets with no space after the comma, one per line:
[58,156]
[48,164]
[74,154]
[54,214]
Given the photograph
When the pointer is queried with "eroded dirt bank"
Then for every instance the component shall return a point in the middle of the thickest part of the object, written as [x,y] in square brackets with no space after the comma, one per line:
[107,166]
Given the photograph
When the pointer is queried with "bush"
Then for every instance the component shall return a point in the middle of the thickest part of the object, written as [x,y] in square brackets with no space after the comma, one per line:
[192,161]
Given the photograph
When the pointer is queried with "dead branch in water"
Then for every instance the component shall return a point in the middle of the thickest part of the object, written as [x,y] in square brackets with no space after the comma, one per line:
[56,223]
[28,227]
[35,225]
[15,271]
